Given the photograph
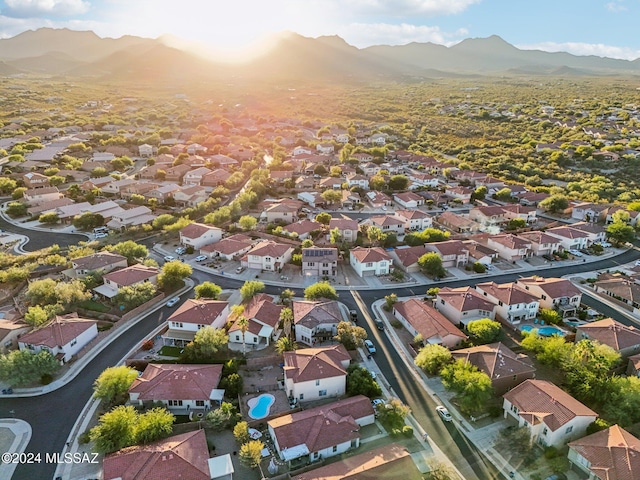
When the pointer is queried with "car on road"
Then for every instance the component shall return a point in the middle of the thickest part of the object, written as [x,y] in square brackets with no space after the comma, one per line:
[181,250]
[169,258]
[240,269]
[444,413]
[379,324]
[173,302]
[200,258]
[353,315]
[368,344]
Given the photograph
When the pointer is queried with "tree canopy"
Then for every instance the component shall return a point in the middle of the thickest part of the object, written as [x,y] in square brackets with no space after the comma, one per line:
[320,290]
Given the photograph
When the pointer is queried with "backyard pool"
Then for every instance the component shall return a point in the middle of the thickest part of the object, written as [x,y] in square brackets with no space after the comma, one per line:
[259,406]
[544,331]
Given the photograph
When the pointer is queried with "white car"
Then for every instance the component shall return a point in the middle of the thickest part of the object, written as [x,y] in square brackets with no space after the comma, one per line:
[173,302]
[444,413]
[101,235]
[373,374]
[169,258]
[368,344]
[180,250]
[575,253]
[200,258]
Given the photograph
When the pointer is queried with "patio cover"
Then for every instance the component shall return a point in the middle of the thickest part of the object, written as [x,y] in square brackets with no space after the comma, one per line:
[216,394]
[292,453]
[106,291]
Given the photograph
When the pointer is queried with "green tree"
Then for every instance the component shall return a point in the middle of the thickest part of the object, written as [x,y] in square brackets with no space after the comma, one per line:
[115,429]
[247,222]
[390,300]
[479,193]
[432,358]
[37,316]
[377,182]
[71,293]
[472,387]
[18,193]
[208,290]
[484,331]
[286,319]
[516,223]
[431,264]
[324,218]
[7,185]
[360,382]
[398,182]
[50,218]
[131,250]
[17,209]
[622,404]
[113,384]
[163,220]
[588,366]
[335,237]
[320,290]
[153,425]
[550,316]
[286,296]
[285,344]
[251,453]
[350,336]
[393,414]
[232,385]
[133,296]
[222,417]
[88,221]
[241,432]
[503,194]
[41,292]
[21,367]
[173,274]
[250,288]
[555,203]
[331,196]
[620,233]
[206,344]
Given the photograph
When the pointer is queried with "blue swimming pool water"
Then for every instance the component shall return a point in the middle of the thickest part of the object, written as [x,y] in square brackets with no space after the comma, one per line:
[259,406]
[544,331]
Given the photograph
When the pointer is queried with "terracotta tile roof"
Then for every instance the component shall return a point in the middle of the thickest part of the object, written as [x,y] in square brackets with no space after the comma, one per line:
[553,287]
[496,360]
[269,248]
[612,333]
[427,321]
[517,208]
[567,232]
[385,220]
[320,254]
[408,197]
[282,207]
[343,224]
[377,464]
[196,230]
[59,332]
[183,456]
[97,261]
[410,255]
[542,401]
[539,237]
[303,226]
[513,242]
[229,245]
[490,210]
[260,311]
[588,227]
[507,293]
[449,247]
[621,286]
[312,314]
[316,363]
[131,275]
[465,299]
[177,382]
[613,454]
[412,214]
[366,255]
[322,427]
[200,312]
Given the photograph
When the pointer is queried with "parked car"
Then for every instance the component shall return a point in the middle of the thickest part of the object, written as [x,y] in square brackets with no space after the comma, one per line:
[169,258]
[575,253]
[353,315]
[444,413]
[377,401]
[240,269]
[368,344]
[173,302]
[200,258]
[181,250]
[605,244]
[101,235]
[373,374]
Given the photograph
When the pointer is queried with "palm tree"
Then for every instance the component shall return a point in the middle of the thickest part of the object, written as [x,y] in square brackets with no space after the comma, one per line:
[285,344]
[286,316]
[286,296]
[243,323]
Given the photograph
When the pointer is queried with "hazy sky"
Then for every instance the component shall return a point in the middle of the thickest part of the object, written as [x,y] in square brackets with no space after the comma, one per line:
[598,27]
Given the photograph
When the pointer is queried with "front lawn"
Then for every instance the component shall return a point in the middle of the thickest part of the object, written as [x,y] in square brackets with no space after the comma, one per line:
[169,351]
[94,306]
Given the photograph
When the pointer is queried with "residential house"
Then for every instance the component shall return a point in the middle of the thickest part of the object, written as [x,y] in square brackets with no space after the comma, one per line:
[197,235]
[620,287]
[230,248]
[513,303]
[414,220]
[313,199]
[587,212]
[480,253]
[108,209]
[608,215]
[33,180]
[190,196]
[463,305]
[325,148]
[115,187]
[422,180]
[357,180]
[461,193]
[407,257]
[408,199]
[378,139]
[181,388]
[370,261]
[138,188]
[488,216]
[622,338]
[215,178]
[145,150]
[510,247]
[300,150]
[420,318]
[348,228]
[302,228]
[554,293]
[458,223]
[177,173]
[532,198]
[541,243]
[93,183]
[319,261]
[606,455]
[379,199]
[195,176]
[505,368]
[193,315]
[263,317]
[41,195]
[12,327]
[517,211]
[595,233]
[552,416]
[316,373]
[454,253]
[316,321]
[132,217]
[99,262]
[570,238]
[268,255]
[282,212]
[126,277]
[387,223]
[163,192]
[321,432]
[63,337]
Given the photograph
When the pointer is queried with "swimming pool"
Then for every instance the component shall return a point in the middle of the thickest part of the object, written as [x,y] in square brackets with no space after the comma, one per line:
[544,331]
[259,406]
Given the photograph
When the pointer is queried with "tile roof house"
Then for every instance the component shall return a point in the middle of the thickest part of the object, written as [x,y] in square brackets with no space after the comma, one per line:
[126,277]
[458,223]
[387,223]
[541,243]
[454,253]
[505,368]
[370,261]
[321,432]
[268,255]
[230,248]
[302,228]
[190,196]
[193,315]
[37,196]
[622,288]
[421,318]
[316,373]
[512,212]
[316,320]
[570,238]
[554,293]
[510,247]
[347,226]
[379,199]
[380,463]
[489,216]
[63,337]
[408,199]
[263,316]
[319,261]
[407,257]
[131,217]
[282,212]
[180,456]
[622,338]
[463,304]
[553,416]
[595,233]
[197,235]
[611,454]
[513,303]
[180,387]
[415,220]
[35,180]
[103,262]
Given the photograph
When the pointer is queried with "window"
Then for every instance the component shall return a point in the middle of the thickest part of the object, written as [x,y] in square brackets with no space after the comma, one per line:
[369,264]
[302,396]
[500,303]
[175,403]
[335,448]
[201,326]
[569,429]
[317,382]
[514,409]
[544,297]
[442,301]
[199,403]
[74,341]
[545,431]
[237,338]
[322,393]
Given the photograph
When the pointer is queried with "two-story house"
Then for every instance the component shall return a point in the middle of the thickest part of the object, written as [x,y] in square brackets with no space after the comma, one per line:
[463,305]
[197,235]
[541,243]
[268,255]
[419,318]
[488,216]
[622,338]
[370,261]
[510,247]
[513,303]
[408,199]
[386,223]
[41,195]
[281,212]
[454,253]
[555,293]
[319,261]
[263,317]
[193,315]
[99,262]
[414,220]
[126,277]
[348,228]
[570,238]
[316,321]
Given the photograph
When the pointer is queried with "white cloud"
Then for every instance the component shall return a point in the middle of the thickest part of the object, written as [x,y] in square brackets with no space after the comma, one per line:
[616,6]
[578,48]
[366,34]
[401,8]
[39,8]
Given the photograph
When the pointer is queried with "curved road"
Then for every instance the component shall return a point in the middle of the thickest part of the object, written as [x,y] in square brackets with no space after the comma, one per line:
[53,415]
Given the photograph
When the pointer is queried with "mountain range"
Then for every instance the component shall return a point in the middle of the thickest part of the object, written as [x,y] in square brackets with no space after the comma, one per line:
[63,52]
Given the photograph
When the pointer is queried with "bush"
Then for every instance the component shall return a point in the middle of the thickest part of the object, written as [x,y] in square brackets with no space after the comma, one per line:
[551,452]
[396,432]
[46,379]
[395,323]
[83,438]
[479,267]
[147,345]
[407,431]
